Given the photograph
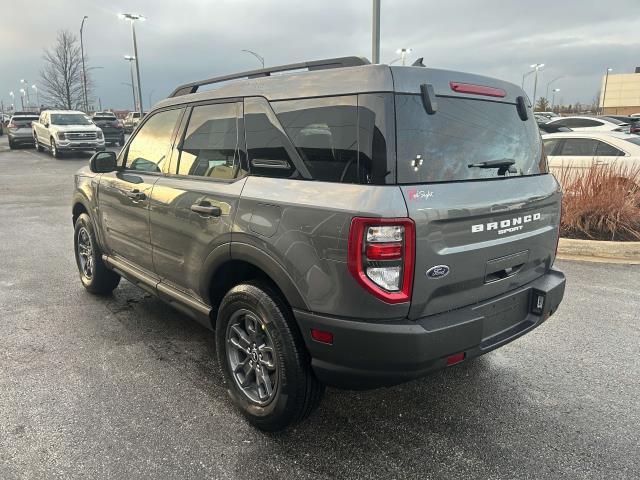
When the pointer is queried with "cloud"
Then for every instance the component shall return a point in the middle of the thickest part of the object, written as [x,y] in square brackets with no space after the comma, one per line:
[191,39]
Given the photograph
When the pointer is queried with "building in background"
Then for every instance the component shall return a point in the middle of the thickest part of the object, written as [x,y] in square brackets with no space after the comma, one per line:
[622,94]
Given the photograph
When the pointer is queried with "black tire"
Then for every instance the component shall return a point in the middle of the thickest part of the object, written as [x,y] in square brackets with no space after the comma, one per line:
[11,145]
[37,144]
[100,280]
[297,392]
[121,142]
[55,152]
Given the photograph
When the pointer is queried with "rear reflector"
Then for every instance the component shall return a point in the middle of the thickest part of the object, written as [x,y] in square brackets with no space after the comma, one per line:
[455,358]
[322,336]
[384,251]
[477,89]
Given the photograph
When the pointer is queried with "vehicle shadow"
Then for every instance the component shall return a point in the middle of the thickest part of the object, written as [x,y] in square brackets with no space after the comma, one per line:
[476,414]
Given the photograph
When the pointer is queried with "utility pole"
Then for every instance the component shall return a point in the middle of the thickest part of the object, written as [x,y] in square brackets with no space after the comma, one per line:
[604,94]
[84,71]
[536,68]
[375,31]
[553,99]
[130,59]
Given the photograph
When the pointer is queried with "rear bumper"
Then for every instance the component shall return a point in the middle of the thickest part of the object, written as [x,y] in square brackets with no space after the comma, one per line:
[113,136]
[21,138]
[374,354]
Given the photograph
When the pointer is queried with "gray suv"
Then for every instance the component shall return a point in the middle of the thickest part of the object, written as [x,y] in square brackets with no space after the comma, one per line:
[352,225]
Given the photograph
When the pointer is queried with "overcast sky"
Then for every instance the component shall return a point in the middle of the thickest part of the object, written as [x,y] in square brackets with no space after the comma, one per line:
[187,40]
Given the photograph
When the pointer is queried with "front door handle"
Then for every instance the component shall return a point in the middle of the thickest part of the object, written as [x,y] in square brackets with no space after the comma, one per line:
[136,195]
[205,208]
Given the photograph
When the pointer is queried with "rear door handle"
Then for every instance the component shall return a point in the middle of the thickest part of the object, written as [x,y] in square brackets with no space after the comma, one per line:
[205,208]
[136,195]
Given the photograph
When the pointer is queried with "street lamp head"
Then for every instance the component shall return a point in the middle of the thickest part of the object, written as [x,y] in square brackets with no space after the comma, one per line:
[404,50]
[22,91]
[556,89]
[34,86]
[132,16]
[129,57]
[609,69]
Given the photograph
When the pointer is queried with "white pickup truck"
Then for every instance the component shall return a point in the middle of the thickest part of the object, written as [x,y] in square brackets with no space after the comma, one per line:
[62,131]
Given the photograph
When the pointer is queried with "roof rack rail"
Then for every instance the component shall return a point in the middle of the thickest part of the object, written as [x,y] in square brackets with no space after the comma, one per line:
[265,72]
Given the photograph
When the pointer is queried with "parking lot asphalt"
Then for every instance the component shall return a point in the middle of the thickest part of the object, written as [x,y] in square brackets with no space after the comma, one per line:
[125,387]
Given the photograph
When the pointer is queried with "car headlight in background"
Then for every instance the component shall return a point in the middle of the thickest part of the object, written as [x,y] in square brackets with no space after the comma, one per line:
[61,136]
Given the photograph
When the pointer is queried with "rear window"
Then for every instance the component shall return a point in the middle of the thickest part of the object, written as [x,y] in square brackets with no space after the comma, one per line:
[20,121]
[104,118]
[635,141]
[441,147]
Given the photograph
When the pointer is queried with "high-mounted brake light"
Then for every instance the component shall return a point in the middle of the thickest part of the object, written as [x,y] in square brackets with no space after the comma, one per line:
[381,256]
[477,89]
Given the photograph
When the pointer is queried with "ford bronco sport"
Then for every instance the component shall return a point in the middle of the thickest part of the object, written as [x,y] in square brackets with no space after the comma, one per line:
[353,225]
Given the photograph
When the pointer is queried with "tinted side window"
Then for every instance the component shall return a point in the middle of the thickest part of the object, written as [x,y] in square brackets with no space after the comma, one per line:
[325,134]
[579,147]
[150,148]
[605,150]
[268,148]
[211,146]
[591,123]
[376,139]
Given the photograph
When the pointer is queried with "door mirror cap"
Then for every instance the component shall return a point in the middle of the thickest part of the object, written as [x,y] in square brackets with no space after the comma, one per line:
[103,162]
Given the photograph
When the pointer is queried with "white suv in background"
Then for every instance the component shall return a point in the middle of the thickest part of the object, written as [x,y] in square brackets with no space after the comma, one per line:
[581,123]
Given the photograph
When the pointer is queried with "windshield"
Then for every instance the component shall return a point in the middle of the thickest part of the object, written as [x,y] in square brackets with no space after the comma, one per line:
[466,139]
[635,141]
[69,119]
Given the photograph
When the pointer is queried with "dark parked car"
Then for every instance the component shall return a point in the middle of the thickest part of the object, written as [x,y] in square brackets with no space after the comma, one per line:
[111,127]
[353,225]
[634,122]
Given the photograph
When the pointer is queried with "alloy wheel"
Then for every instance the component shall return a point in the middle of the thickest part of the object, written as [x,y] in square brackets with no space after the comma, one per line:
[85,252]
[252,357]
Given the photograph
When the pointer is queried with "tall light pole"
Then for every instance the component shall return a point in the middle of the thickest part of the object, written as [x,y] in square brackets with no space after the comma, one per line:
[536,67]
[403,52]
[22,97]
[132,17]
[13,100]
[84,71]
[604,94]
[525,75]
[131,59]
[26,90]
[553,98]
[35,87]
[259,57]
[549,83]
[375,32]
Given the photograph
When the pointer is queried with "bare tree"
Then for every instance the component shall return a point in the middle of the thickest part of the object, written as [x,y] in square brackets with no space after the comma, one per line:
[61,76]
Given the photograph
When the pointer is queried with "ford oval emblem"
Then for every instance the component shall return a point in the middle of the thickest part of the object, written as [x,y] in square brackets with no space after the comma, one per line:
[439,271]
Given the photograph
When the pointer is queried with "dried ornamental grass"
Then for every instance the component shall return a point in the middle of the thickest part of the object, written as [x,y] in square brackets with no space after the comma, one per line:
[601,202]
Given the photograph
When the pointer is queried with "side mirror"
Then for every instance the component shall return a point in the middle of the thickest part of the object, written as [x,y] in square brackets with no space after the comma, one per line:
[103,162]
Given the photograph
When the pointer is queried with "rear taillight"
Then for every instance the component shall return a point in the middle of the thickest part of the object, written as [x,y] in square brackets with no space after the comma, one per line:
[12,125]
[381,256]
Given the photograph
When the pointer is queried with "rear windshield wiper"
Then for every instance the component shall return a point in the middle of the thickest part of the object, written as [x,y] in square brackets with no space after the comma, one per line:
[505,165]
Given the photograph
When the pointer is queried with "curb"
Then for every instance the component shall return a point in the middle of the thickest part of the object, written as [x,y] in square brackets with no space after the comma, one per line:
[599,251]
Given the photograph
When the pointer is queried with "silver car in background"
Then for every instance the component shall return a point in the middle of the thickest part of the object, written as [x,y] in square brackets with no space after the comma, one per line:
[19,130]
